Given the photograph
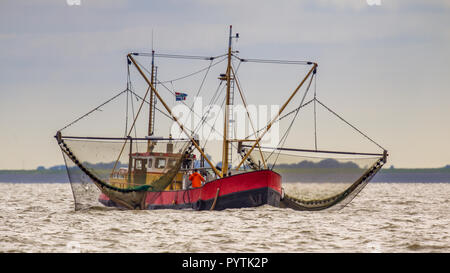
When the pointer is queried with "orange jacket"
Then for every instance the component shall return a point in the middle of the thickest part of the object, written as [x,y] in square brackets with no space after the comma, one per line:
[196,179]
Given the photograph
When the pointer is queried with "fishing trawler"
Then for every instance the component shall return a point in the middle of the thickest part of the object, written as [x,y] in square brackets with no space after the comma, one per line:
[153,172]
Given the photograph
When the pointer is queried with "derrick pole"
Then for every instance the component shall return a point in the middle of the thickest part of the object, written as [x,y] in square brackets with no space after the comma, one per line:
[151,117]
[226,143]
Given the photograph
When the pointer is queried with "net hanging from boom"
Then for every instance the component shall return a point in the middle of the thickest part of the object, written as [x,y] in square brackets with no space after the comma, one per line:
[317,180]
[93,168]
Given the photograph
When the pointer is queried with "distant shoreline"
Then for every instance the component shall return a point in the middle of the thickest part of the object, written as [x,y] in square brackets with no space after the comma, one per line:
[33,176]
[435,175]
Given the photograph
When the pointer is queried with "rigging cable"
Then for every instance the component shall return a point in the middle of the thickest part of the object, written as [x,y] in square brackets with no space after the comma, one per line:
[315,114]
[134,118]
[93,110]
[168,89]
[198,92]
[159,110]
[215,120]
[199,89]
[348,123]
[175,56]
[267,61]
[128,89]
[221,106]
[292,122]
[244,101]
[286,115]
[194,73]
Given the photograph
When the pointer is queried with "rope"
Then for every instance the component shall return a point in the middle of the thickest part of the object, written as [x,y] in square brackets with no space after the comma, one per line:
[315,151]
[175,56]
[196,95]
[159,110]
[290,113]
[128,88]
[215,120]
[95,109]
[244,100]
[273,61]
[315,114]
[292,122]
[126,116]
[215,200]
[132,126]
[202,118]
[356,129]
[194,73]
[204,78]
[168,89]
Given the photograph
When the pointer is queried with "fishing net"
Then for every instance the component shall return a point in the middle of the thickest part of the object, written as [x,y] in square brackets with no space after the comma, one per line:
[98,166]
[317,180]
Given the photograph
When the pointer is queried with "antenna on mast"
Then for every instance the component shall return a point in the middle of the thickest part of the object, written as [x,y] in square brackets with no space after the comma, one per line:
[152,40]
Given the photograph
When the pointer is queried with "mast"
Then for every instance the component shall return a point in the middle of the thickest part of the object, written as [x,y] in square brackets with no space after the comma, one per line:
[226,142]
[151,123]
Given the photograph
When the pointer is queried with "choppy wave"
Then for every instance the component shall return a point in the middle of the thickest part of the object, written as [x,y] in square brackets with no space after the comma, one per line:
[383,218]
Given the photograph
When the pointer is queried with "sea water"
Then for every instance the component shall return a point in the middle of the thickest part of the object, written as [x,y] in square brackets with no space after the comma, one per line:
[384,217]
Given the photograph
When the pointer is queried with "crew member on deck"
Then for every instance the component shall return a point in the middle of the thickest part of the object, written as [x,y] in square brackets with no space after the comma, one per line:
[196,179]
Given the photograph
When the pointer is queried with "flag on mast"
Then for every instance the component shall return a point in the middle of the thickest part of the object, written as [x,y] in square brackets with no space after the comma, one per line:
[180,96]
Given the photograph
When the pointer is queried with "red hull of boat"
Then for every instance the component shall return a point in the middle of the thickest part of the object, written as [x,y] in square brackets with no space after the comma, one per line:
[237,191]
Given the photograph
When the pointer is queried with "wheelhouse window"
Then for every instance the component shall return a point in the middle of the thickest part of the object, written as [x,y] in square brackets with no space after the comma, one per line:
[172,162]
[160,163]
[138,164]
[150,163]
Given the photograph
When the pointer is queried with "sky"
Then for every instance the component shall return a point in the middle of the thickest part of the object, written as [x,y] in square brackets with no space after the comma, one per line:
[384,67]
